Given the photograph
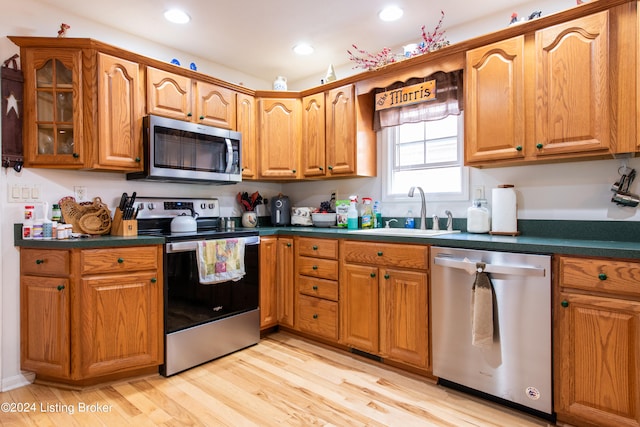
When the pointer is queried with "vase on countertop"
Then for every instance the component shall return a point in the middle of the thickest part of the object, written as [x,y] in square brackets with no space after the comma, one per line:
[249,219]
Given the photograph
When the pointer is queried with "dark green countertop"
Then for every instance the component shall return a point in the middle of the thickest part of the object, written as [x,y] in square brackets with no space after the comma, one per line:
[605,239]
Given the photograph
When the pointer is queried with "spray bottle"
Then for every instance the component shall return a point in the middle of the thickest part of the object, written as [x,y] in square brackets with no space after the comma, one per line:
[352,213]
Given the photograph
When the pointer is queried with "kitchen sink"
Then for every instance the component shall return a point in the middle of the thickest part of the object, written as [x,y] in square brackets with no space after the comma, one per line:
[404,232]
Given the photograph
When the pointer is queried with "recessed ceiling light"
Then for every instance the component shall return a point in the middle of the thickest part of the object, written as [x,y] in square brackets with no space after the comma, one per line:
[177,16]
[303,49]
[390,13]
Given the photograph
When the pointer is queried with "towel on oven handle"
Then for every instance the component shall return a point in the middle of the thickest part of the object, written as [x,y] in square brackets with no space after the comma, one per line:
[220,260]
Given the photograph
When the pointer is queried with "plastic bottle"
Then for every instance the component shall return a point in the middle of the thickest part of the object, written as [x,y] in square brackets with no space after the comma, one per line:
[352,214]
[478,216]
[368,218]
[377,212]
[56,213]
[409,222]
[29,213]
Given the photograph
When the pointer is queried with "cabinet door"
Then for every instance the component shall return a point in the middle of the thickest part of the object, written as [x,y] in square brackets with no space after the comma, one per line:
[279,138]
[573,105]
[169,94]
[341,131]
[246,123]
[120,323]
[45,326]
[404,319]
[215,105]
[286,285]
[120,112]
[313,135]
[494,113]
[359,307]
[268,281]
[53,116]
[597,360]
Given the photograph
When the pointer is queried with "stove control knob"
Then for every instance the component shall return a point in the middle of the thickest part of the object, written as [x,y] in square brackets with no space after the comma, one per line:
[151,206]
[203,205]
[212,205]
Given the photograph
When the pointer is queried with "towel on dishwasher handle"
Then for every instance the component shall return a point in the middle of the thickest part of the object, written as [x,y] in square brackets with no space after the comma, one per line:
[482,309]
[220,260]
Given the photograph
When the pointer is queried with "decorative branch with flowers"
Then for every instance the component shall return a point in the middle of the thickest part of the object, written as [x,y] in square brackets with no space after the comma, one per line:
[431,41]
[249,203]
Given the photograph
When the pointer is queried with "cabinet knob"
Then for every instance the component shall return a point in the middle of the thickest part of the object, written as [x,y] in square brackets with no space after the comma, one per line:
[539,146]
[565,303]
[372,274]
[519,148]
[602,276]
[386,276]
[189,114]
[75,155]
[315,267]
[60,287]
[137,160]
[330,168]
[315,248]
[293,170]
[201,117]
[288,245]
[315,316]
[321,168]
[120,260]
[315,288]
[380,253]
[154,280]
[39,261]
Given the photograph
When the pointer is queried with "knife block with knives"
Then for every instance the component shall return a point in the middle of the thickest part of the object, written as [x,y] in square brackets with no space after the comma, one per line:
[124,222]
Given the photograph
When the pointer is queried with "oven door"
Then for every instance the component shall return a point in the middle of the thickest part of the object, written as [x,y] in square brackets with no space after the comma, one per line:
[189,303]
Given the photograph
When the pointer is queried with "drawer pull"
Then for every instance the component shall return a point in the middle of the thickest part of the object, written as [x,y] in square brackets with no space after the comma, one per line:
[386,276]
[380,253]
[315,267]
[60,287]
[315,316]
[39,261]
[120,260]
[315,248]
[315,288]
[288,245]
[154,280]
[602,276]
[373,275]
[565,304]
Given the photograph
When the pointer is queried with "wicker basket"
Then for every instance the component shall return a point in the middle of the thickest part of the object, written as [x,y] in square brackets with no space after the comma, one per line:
[87,217]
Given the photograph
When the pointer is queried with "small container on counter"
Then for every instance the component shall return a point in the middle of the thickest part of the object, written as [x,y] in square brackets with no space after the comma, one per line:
[56,213]
[37,231]
[27,230]
[29,212]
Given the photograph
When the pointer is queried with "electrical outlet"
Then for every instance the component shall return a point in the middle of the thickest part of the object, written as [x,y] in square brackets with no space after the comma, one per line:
[80,193]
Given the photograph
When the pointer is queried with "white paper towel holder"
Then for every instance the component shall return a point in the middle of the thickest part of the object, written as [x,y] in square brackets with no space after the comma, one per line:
[505,233]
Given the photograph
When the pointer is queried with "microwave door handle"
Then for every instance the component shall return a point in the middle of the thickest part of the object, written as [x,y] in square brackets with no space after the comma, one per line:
[229,168]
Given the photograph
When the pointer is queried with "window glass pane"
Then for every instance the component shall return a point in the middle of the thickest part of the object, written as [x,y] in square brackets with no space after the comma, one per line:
[411,132]
[442,150]
[410,154]
[442,128]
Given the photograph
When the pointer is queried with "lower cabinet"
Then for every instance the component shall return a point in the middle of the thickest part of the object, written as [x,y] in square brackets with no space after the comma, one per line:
[597,342]
[88,315]
[384,300]
[276,281]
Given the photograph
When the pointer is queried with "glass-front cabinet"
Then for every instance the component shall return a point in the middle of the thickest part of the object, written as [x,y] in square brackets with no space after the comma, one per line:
[55,120]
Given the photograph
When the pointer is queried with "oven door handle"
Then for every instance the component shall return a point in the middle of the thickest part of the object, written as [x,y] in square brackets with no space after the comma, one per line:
[191,245]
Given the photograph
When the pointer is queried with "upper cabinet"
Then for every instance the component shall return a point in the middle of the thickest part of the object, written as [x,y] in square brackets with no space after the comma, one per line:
[180,97]
[246,124]
[561,92]
[337,134]
[279,138]
[82,108]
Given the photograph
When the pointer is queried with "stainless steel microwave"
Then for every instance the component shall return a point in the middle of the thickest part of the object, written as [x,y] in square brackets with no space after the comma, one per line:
[179,151]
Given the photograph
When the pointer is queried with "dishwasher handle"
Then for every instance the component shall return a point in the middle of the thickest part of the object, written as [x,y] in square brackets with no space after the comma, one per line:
[471,268]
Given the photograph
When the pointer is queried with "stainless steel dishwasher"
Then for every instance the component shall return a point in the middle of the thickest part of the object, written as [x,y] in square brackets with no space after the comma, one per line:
[515,366]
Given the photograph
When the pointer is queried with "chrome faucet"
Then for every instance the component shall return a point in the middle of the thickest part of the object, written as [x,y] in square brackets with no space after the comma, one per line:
[423,207]
[449,220]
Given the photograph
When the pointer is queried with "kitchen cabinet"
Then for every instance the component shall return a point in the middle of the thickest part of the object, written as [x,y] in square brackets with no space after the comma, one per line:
[88,315]
[276,282]
[337,135]
[180,97]
[279,138]
[554,94]
[597,342]
[82,107]
[384,300]
[317,277]
[286,281]
[246,124]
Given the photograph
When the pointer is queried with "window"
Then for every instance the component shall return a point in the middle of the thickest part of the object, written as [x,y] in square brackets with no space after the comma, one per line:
[426,154]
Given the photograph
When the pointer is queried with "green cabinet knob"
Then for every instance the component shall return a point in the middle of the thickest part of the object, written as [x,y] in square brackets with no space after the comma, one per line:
[315,316]
[75,155]
[39,261]
[321,168]
[539,146]
[602,276]
[137,159]
[293,170]
[60,287]
[565,304]
[189,114]
[373,274]
[380,253]
[315,288]
[201,117]
[315,267]
[288,245]
[330,168]
[315,248]
[386,276]
[154,280]
[120,260]
[519,148]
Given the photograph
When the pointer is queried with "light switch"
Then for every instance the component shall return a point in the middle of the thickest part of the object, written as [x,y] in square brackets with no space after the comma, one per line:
[15,192]
[35,192]
[26,192]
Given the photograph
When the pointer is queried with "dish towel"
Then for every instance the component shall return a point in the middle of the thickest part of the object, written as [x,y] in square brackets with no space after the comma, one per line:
[220,260]
[482,309]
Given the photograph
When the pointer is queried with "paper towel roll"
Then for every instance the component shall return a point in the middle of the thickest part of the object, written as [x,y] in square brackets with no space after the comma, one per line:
[504,218]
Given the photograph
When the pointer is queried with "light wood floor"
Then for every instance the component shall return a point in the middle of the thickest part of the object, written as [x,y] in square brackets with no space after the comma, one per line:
[282,381]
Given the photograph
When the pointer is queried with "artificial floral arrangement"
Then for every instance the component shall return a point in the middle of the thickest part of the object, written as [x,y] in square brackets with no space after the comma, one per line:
[249,203]
[430,41]
[325,207]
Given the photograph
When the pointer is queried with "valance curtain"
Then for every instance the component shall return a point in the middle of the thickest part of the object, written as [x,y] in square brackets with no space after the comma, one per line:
[449,100]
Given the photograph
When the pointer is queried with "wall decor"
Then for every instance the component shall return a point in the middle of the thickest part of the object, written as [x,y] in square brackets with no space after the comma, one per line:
[12,101]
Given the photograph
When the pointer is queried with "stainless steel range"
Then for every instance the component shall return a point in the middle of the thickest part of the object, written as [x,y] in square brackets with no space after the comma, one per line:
[202,321]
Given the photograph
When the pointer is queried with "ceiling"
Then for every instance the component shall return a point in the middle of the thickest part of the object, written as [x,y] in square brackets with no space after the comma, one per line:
[257,36]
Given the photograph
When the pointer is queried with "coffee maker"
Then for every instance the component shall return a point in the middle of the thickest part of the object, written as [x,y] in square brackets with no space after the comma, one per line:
[280,210]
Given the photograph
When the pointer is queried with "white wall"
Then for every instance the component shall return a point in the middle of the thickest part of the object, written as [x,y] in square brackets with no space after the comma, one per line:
[564,191]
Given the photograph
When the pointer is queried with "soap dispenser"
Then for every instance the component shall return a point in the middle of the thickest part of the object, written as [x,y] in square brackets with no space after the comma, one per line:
[478,215]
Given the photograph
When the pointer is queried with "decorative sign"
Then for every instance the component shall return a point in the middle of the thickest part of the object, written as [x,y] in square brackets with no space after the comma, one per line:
[414,94]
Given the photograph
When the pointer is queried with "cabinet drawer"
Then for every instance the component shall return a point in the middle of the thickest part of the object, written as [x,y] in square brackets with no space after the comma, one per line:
[45,262]
[318,267]
[318,316]
[321,248]
[394,255]
[116,260]
[618,277]
[321,288]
